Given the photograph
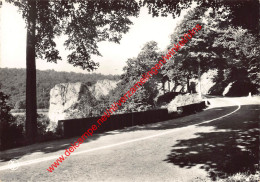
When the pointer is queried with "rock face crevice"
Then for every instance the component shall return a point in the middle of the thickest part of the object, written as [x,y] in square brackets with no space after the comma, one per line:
[76,100]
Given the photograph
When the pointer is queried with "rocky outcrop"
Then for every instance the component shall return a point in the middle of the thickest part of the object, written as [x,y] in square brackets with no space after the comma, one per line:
[206,81]
[76,100]
[102,88]
[64,98]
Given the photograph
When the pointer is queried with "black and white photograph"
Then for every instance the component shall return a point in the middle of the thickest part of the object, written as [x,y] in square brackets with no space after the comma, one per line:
[129,91]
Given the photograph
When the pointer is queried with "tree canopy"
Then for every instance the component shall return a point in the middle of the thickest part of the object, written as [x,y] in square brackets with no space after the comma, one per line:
[84,22]
[143,99]
[218,45]
[245,12]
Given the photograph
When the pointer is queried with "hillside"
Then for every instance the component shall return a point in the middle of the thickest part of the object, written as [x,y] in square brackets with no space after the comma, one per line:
[12,83]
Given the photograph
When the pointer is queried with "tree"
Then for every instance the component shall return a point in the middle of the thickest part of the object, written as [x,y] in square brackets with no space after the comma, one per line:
[84,22]
[245,12]
[199,54]
[218,45]
[144,97]
[241,50]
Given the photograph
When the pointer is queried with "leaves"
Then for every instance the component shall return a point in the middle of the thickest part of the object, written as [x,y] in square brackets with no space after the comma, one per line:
[245,13]
[143,98]
[84,22]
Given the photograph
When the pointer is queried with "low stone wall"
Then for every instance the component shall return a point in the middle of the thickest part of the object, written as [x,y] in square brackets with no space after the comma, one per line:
[76,127]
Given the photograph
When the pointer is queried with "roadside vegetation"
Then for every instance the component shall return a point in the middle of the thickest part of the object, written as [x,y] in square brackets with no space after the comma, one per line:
[12,128]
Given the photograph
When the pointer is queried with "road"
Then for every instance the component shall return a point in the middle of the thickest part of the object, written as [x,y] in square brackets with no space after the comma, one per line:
[222,140]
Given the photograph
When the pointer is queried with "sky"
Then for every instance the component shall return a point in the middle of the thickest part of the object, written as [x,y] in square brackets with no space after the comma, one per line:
[114,56]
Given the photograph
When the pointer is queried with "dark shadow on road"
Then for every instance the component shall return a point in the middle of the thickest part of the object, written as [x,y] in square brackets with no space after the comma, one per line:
[218,152]
[45,147]
[62,144]
[232,147]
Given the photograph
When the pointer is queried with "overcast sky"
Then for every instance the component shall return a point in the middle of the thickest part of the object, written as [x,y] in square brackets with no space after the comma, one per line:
[144,29]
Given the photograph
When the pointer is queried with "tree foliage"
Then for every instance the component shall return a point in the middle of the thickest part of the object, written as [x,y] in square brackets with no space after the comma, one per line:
[84,22]
[218,44]
[8,132]
[143,99]
[245,13]
[242,55]
[186,63]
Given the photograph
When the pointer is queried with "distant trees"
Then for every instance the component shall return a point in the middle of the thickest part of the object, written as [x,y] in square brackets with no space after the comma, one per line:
[46,80]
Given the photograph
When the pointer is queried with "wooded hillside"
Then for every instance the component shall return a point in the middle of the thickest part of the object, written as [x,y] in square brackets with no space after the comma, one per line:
[12,83]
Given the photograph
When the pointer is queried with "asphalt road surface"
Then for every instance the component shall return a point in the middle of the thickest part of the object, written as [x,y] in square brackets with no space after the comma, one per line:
[220,141]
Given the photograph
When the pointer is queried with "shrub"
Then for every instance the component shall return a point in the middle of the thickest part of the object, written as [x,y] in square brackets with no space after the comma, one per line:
[11,133]
[182,100]
[46,130]
[11,136]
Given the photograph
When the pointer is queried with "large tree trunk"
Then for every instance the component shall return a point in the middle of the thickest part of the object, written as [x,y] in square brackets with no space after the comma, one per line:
[31,106]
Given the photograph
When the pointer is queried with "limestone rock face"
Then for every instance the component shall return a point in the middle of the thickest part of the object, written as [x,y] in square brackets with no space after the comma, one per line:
[64,99]
[206,81]
[76,100]
[102,87]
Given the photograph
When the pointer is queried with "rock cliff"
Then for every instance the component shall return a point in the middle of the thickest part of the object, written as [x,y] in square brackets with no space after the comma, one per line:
[102,88]
[76,100]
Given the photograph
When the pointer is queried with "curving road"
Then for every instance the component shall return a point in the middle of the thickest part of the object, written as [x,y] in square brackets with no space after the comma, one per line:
[219,141]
